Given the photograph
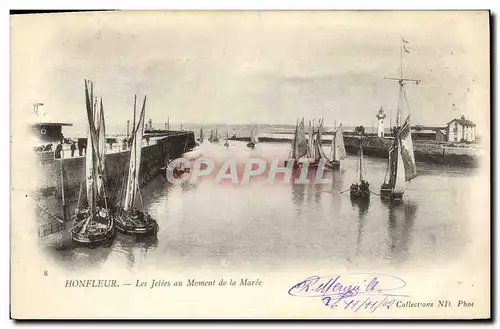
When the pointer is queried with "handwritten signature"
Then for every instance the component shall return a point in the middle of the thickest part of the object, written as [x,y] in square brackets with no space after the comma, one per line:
[354,292]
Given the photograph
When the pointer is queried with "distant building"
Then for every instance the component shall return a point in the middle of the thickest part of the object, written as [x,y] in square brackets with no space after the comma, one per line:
[430,134]
[49,131]
[461,130]
[441,136]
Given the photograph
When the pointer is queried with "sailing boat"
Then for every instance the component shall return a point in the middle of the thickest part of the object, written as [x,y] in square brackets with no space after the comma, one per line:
[129,219]
[299,147]
[338,149]
[401,166]
[253,139]
[93,225]
[201,135]
[360,189]
[226,144]
[180,167]
[311,151]
[215,138]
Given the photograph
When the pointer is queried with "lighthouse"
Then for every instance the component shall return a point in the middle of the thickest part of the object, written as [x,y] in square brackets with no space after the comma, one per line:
[380,117]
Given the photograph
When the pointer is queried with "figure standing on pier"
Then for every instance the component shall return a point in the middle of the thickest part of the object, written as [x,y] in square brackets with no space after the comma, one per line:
[80,146]
[59,149]
[73,149]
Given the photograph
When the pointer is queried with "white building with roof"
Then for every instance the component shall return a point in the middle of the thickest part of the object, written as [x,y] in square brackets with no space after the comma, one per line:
[461,130]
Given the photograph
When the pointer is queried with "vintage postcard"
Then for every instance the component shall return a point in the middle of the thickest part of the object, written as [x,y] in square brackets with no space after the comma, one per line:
[250,165]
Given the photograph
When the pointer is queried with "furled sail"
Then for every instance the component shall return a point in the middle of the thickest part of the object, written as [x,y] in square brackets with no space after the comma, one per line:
[301,141]
[338,148]
[393,162]
[89,172]
[101,152]
[293,148]
[320,130]
[311,147]
[320,153]
[318,150]
[361,162]
[135,162]
[253,137]
[399,183]
[407,154]
[91,151]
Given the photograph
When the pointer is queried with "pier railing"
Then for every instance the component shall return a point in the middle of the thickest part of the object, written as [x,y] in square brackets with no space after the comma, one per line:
[49,228]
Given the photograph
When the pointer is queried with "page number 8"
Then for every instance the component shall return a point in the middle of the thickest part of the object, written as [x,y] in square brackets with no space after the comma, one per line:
[45,273]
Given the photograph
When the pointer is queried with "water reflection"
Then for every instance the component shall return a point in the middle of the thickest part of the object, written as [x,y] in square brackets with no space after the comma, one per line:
[298,191]
[85,257]
[318,189]
[248,225]
[129,246]
[363,207]
[337,180]
[400,222]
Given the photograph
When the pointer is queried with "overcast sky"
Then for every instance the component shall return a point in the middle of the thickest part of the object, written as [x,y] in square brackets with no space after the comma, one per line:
[252,67]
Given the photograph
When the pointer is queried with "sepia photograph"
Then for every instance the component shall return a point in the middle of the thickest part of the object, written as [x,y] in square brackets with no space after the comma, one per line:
[250,165]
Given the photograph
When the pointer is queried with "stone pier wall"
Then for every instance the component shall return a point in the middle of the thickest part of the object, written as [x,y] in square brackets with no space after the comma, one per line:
[60,180]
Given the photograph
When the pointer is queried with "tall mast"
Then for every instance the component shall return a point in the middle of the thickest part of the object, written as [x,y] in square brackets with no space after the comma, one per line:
[360,159]
[401,59]
[402,81]
[133,124]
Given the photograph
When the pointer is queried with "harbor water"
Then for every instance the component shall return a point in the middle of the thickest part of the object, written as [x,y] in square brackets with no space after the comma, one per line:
[270,225]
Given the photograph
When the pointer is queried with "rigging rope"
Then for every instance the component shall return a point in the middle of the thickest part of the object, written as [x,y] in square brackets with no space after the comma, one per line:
[46,210]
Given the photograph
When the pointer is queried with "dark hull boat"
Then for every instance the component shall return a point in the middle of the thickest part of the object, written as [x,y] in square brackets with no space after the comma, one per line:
[253,140]
[201,139]
[214,137]
[386,192]
[93,230]
[338,152]
[138,224]
[130,220]
[360,190]
[331,164]
[401,167]
[94,224]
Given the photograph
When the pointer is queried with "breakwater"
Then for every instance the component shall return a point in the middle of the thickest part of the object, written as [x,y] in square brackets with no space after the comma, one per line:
[426,152]
[61,181]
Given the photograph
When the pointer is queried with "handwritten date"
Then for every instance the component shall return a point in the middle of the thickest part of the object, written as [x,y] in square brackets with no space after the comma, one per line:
[353,291]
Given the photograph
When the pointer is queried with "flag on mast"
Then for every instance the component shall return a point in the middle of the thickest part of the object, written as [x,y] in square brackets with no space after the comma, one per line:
[404,41]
